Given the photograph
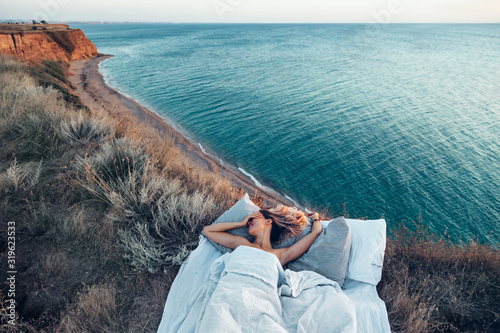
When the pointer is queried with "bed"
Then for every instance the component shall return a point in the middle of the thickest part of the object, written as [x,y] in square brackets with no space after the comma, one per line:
[215,291]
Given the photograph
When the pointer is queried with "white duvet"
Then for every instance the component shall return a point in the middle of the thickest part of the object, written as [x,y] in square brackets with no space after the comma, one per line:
[248,291]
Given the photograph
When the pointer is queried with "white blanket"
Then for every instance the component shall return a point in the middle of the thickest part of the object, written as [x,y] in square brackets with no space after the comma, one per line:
[248,291]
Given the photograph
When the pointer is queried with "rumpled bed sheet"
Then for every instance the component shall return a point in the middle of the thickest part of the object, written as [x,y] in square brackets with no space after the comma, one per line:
[230,293]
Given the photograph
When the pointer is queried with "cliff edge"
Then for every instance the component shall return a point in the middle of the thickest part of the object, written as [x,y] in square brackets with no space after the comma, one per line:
[33,43]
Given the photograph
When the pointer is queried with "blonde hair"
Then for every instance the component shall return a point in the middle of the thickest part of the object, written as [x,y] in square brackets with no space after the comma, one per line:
[287,221]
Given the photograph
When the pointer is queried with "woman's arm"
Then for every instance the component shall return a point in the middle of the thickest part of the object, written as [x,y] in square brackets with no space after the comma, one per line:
[299,248]
[217,232]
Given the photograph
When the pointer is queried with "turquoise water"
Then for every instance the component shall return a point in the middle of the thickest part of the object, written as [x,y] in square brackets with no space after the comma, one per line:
[395,121]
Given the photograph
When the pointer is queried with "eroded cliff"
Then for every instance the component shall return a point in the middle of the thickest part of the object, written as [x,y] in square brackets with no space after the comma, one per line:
[49,44]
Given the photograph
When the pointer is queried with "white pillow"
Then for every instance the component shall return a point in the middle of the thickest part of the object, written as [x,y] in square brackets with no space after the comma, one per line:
[368,240]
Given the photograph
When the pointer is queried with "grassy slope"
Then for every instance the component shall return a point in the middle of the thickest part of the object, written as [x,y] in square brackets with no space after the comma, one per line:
[106,211]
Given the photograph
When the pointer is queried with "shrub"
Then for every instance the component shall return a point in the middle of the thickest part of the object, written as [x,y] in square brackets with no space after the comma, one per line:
[80,130]
[117,160]
[171,233]
[20,177]
[139,200]
[117,168]
[142,250]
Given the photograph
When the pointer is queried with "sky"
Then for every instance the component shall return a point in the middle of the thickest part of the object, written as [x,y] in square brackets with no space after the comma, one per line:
[255,11]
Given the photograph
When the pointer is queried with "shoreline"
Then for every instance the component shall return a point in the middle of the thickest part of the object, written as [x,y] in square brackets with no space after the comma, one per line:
[95,93]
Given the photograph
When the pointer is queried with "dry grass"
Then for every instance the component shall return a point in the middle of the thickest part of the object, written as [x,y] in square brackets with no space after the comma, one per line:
[95,310]
[432,285]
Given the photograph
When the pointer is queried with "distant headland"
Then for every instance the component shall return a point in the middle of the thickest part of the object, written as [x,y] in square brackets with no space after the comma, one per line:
[33,43]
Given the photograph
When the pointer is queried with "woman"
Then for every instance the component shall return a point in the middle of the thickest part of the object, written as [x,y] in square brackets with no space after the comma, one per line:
[248,290]
[244,294]
[269,226]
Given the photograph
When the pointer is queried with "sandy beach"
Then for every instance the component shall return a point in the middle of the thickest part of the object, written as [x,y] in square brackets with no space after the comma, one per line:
[96,94]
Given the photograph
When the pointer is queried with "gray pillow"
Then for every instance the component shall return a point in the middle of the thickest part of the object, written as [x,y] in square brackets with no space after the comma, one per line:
[329,254]
[237,213]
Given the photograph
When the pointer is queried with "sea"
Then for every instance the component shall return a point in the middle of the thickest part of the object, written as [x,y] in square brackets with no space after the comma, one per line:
[398,121]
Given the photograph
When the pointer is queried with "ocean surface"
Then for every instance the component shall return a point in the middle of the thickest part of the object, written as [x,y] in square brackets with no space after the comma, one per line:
[393,121]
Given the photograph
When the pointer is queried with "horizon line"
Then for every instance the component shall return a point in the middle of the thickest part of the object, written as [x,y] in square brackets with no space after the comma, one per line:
[215,22]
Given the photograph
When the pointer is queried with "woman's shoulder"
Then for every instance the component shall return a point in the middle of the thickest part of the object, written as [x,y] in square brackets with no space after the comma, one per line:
[279,253]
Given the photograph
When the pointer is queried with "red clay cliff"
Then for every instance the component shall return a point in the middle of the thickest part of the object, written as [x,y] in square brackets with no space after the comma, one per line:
[35,42]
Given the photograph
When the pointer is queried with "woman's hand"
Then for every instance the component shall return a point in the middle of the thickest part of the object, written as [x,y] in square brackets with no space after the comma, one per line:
[313,216]
[256,215]
[218,232]
[316,226]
